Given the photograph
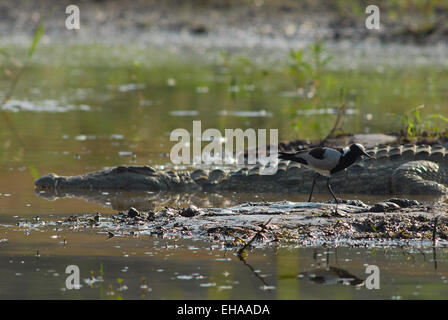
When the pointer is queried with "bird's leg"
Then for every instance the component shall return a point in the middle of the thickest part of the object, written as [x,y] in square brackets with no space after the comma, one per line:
[331,191]
[312,187]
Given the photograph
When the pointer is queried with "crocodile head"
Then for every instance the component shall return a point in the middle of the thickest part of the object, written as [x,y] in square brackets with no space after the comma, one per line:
[48,181]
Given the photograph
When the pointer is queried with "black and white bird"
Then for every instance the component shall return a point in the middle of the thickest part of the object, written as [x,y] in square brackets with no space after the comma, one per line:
[327,161]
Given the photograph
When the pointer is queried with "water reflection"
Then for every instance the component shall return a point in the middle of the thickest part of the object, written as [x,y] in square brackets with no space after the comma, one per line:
[329,275]
[153,268]
[256,274]
[144,201]
[123,200]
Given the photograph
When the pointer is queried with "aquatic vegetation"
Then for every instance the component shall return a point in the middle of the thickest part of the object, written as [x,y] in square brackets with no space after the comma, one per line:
[12,63]
[240,71]
[14,77]
[307,74]
[417,125]
[305,66]
[320,57]
[299,68]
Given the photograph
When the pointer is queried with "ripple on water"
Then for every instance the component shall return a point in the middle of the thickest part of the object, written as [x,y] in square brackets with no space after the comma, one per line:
[51,106]
[246,114]
[184,113]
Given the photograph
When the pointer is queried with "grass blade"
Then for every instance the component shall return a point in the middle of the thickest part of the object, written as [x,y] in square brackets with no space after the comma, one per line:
[39,32]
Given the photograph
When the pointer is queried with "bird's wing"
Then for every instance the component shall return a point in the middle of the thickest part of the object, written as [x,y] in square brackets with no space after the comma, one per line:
[327,158]
[318,153]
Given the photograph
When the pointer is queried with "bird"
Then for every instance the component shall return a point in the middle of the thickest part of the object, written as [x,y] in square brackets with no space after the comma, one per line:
[327,161]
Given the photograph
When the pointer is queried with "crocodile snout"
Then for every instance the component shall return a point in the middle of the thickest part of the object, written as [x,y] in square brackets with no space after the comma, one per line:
[47,181]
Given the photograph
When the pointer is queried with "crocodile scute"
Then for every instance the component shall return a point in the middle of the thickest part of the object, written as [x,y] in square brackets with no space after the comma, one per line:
[403,169]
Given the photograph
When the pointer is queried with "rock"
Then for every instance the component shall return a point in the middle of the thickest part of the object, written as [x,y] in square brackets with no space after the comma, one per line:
[373,139]
[132,213]
[384,207]
[167,213]
[403,203]
[356,203]
[189,212]
[199,30]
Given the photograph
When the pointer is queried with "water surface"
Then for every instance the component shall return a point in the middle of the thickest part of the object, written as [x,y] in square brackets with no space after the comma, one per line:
[33,267]
[80,108]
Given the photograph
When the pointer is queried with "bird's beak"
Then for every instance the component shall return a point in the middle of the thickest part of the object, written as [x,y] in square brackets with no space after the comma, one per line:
[368,155]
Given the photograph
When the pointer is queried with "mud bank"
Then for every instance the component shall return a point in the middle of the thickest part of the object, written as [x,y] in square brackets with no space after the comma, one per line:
[226,23]
[392,222]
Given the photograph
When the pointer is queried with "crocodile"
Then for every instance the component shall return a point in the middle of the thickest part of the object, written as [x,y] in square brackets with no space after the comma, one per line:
[401,169]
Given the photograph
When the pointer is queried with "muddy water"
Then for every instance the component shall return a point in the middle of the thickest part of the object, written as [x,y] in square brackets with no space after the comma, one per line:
[33,266]
[80,109]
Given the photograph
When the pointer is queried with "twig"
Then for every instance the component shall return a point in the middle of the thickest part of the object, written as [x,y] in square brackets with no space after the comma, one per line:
[263,228]
[434,255]
[341,111]
[434,231]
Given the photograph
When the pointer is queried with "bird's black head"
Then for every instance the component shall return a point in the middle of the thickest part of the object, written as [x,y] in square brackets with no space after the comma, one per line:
[358,150]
